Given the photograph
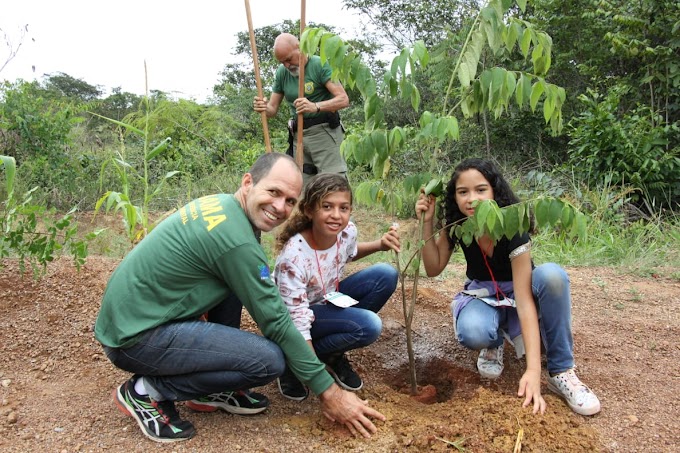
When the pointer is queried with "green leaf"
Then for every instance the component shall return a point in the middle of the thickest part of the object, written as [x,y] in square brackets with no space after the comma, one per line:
[548,107]
[580,226]
[511,224]
[119,123]
[526,42]
[542,212]
[567,216]
[420,51]
[10,166]
[434,187]
[329,47]
[536,92]
[162,146]
[415,98]
[555,211]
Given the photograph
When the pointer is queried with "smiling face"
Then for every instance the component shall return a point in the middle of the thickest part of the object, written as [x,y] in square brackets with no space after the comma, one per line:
[330,217]
[471,186]
[270,202]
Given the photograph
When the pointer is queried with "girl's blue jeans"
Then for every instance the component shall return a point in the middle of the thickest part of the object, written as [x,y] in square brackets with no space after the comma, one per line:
[481,326]
[336,330]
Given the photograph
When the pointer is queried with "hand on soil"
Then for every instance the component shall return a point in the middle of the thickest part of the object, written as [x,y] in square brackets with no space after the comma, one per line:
[346,408]
[530,388]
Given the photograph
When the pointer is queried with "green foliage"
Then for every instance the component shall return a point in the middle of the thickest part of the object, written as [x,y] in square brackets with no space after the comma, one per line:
[36,131]
[626,148]
[64,86]
[494,222]
[403,22]
[135,216]
[31,233]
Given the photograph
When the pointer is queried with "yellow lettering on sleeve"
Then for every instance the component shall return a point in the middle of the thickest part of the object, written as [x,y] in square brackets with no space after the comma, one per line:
[214,220]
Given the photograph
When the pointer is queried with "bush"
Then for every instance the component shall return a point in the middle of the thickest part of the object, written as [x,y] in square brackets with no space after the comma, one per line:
[629,147]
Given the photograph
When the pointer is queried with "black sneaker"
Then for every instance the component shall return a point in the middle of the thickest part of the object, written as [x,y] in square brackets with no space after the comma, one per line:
[291,387]
[238,402]
[158,420]
[342,372]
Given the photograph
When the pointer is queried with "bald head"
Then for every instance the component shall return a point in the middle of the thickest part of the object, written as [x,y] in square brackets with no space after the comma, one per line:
[287,51]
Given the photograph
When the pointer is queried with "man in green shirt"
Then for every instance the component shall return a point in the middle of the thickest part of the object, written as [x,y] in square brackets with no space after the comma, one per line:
[206,258]
[323,132]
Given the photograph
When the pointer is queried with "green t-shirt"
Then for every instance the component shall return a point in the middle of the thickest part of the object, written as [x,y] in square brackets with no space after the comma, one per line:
[316,77]
[190,263]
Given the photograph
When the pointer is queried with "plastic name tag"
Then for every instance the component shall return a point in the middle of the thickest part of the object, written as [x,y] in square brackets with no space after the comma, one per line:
[340,300]
[483,295]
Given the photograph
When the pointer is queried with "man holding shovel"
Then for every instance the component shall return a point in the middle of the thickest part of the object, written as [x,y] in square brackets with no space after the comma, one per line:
[323,132]
[206,258]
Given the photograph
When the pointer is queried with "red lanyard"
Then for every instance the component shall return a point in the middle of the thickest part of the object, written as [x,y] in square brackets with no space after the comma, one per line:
[337,264]
[493,279]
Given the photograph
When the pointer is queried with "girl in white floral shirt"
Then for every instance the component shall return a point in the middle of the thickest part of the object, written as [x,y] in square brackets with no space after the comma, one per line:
[333,314]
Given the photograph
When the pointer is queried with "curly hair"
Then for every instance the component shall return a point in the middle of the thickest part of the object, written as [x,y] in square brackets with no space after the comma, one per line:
[502,192]
[315,192]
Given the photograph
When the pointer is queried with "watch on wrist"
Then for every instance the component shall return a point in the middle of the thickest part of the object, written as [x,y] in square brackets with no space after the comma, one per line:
[318,109]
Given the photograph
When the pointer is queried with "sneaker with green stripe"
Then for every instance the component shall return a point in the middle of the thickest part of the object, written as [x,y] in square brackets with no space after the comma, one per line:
[238,402]
[158,420]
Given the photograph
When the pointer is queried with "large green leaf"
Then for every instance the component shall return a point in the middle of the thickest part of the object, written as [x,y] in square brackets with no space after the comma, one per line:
[162,146]
[10,166]
[536,92]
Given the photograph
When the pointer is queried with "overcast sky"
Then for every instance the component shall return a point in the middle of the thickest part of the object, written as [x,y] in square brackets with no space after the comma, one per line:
[185,44]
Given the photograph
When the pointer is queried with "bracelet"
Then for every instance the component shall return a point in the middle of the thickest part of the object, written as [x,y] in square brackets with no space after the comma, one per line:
[318,109]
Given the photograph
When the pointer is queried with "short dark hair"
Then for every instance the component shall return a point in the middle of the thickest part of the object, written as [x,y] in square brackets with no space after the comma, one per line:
[264,164]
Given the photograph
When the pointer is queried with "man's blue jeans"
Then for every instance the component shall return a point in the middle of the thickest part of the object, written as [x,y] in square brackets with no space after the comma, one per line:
[480,325]
[186,360]
[336,330]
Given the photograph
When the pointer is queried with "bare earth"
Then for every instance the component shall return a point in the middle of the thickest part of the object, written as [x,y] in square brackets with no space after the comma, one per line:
[55,392]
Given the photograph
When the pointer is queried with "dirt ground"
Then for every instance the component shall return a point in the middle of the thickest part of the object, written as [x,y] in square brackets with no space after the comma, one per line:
[55,382]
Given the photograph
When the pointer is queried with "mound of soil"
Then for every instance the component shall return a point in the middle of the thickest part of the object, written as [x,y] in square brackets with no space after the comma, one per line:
[55,382]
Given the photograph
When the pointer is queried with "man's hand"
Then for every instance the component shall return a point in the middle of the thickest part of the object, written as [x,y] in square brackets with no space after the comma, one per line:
[260,104]
[304,105]
[346,408]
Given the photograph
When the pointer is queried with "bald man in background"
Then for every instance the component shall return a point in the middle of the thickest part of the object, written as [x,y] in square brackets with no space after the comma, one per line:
[323,98]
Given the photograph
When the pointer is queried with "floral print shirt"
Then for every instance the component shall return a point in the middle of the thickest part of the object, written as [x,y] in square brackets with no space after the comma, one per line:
[304,275]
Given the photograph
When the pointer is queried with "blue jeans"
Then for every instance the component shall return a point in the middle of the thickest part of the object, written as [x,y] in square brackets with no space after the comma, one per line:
[336,330]
[186,360]
[480,325]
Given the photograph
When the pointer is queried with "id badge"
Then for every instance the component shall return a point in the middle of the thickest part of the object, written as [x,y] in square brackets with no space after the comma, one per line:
[340,300]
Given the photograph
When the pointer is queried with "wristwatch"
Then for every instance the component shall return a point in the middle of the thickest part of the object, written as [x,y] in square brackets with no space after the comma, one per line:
[318,109]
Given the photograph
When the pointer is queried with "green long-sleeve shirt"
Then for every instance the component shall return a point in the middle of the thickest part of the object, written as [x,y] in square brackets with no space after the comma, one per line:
[190,263]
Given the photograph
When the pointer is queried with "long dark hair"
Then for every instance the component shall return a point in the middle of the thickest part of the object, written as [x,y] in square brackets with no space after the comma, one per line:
[502,192]
[315,191]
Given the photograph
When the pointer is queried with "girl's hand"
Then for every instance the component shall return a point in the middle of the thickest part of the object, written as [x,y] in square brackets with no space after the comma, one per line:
[530,389]
[390,240]
[425,204]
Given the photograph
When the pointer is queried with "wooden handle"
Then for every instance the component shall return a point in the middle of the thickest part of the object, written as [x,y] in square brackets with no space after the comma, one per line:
[258,82]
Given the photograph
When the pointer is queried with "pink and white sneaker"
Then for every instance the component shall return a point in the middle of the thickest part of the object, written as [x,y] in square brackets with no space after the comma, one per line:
[577,395]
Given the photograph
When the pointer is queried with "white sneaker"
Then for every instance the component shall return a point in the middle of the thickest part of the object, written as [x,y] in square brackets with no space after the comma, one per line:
[577,395]
[490,362]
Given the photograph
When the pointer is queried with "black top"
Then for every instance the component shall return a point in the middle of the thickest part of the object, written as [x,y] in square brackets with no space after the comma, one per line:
[499,262]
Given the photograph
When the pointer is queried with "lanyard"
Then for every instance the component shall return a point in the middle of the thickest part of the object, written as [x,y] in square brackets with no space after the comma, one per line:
[318,265]
[493,279]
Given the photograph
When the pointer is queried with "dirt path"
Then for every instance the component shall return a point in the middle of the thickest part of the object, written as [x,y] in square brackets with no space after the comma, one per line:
[55,383]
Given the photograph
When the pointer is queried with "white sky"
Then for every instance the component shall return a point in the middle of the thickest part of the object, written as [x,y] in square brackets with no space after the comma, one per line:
[105,43]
